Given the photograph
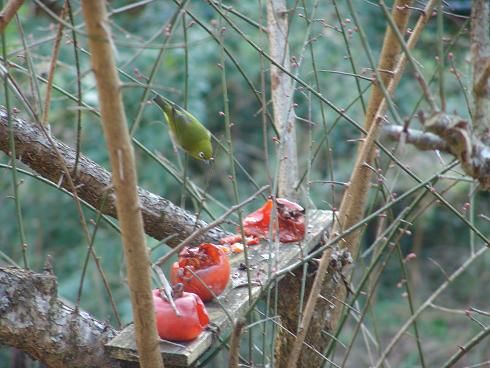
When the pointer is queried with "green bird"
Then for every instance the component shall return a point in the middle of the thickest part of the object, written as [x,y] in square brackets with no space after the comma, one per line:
[186,130]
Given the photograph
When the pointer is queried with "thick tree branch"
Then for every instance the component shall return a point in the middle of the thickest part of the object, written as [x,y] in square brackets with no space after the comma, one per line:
[451,134]
[480,58]
[282,97]
[473,154]
[481,80]
[34,320]
[422,140]
[161,217]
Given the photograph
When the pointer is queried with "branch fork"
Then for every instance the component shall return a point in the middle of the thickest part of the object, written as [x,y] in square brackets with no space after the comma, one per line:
[473,154]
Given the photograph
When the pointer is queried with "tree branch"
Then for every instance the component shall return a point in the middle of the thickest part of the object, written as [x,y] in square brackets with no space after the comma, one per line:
[8,12]
[481,80]
[34,320]
[473,154]
[480,58]
[161,217]
[422,140]
[469,143]
[353,201]
[451,134]
[234,359]
[282,98]
[124,178]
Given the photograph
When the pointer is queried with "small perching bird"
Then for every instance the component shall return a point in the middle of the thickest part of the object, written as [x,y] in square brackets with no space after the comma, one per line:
[187,132]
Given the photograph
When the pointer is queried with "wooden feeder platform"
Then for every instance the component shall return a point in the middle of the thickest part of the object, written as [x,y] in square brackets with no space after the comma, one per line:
[235,298]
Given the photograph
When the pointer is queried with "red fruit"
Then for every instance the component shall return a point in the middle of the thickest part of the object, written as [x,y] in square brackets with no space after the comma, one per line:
[211,266]
[290,220]
[186,327]
[257,223]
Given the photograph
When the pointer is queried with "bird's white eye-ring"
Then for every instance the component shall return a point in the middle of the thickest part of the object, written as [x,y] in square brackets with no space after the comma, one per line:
[201,155]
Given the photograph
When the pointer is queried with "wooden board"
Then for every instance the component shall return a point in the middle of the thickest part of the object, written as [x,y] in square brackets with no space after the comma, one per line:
[235,298]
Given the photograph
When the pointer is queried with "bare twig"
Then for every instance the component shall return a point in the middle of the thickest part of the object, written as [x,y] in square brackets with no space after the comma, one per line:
[79,86]
[91,252]
[215,297]
[167,289]
[12,150]
[400,65]
[8,12]
[52,66]
[428,302]
[447,310]
[408,55]
[63,172]
[467,347]
[479,311]
[189,240]
[124,179]
[352,206]
[234,359]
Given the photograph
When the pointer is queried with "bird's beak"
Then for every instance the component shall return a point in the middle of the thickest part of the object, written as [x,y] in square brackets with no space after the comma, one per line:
[210,161]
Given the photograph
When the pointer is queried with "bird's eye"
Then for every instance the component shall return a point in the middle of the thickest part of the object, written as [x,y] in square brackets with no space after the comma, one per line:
[201,155]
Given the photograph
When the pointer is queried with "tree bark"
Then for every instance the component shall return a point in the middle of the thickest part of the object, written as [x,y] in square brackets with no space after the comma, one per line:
[161,217]
[289,296]
[480,59]
[422,140]
[33,320]
[282,98]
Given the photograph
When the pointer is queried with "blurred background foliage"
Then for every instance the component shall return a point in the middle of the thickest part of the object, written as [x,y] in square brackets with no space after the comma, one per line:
[51,221]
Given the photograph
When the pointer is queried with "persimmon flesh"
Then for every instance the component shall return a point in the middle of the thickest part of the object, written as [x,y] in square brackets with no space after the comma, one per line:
[202,269]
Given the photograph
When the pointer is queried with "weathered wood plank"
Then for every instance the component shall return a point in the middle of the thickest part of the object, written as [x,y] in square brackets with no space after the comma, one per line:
[235,299]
